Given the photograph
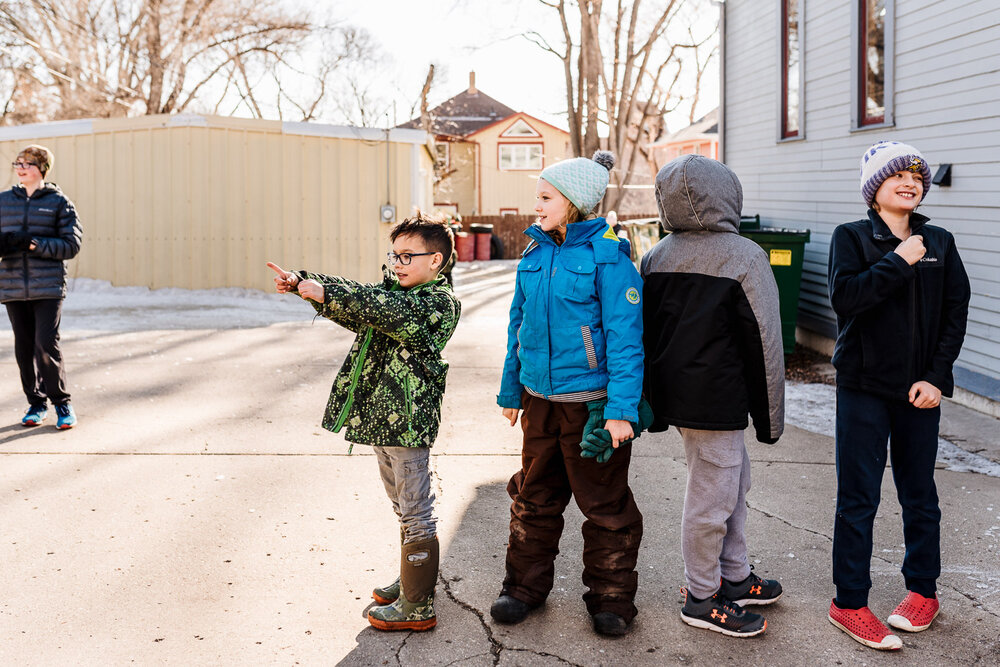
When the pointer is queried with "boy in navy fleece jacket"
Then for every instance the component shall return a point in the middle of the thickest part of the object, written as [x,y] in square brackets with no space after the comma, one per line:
[901,296]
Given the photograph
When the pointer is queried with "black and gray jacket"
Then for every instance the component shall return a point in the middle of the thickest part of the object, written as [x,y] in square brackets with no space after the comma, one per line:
[896,324]
[50,219]
[711,323]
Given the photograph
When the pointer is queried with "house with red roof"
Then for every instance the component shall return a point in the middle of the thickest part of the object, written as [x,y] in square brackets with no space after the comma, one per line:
[489,156]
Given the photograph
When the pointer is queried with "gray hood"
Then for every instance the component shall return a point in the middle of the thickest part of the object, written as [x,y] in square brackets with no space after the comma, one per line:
[698,193]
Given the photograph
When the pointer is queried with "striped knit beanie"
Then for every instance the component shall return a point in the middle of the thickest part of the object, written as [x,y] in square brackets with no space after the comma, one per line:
[583,182]
[883,160]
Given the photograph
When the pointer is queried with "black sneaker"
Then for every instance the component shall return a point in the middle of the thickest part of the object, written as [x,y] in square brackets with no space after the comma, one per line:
[720,614]
[752,590]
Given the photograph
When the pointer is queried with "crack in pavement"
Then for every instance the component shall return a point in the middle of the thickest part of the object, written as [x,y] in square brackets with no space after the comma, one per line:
[402,645]
[789,523]
[809,530]
[971,598]
[496,648]
[543,654]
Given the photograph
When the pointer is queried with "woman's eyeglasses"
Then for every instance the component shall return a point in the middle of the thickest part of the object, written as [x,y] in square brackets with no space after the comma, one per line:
[404,258]
[23,165]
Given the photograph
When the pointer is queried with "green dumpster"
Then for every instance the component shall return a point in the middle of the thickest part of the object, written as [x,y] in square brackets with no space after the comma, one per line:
[785,250]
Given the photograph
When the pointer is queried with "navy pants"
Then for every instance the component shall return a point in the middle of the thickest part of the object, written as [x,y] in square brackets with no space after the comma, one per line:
[865,423]
[36,349]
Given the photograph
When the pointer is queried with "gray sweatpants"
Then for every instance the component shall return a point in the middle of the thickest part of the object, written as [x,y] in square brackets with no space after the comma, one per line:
[406,474]
[715,511]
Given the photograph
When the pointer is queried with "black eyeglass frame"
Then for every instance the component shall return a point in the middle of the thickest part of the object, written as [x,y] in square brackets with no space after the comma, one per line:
[24,165]
[393,257]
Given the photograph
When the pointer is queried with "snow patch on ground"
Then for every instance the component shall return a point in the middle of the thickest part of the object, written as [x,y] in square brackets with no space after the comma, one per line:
[812,407]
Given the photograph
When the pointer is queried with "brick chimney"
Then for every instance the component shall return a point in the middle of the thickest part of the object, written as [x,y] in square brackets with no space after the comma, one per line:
[472,83]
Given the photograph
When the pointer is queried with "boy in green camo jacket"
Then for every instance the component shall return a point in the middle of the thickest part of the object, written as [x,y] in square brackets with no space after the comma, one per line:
[388,393]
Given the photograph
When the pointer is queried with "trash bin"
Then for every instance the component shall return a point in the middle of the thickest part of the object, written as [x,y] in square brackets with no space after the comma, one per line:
[465,246]
[785,250]
[483,234]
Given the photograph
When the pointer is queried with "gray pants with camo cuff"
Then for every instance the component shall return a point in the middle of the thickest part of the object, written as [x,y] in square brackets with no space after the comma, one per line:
[713,541]
[406,475]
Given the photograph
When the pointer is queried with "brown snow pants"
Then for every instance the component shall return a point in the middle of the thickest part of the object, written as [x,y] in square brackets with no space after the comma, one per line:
[551,471]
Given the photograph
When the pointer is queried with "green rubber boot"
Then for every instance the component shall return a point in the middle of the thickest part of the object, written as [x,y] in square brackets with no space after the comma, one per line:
[404,615]
[386,594]
[418,575]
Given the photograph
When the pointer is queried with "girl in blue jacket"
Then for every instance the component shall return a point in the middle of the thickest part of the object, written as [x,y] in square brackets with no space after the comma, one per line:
[574,363]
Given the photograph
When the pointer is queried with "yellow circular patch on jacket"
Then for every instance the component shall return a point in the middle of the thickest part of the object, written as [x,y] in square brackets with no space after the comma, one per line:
[632,295]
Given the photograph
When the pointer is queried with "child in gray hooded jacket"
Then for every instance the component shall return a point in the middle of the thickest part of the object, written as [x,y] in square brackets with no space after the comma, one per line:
[712,336]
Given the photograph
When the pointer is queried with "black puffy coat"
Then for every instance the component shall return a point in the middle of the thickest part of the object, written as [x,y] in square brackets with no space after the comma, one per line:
[50,219]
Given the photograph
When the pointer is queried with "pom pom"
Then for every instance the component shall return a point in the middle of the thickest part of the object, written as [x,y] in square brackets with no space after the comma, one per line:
[604,158]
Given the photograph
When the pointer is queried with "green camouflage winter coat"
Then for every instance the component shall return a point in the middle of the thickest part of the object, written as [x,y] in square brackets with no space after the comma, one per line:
[389,390]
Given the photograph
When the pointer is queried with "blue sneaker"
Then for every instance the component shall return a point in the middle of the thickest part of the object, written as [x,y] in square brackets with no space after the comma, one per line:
[67,418]
[35,415]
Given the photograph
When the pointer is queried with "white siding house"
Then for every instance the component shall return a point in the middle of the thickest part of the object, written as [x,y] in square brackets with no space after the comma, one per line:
[808,85]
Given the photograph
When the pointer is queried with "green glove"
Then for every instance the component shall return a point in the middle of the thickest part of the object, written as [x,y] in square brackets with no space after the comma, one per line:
[597,442]
[595,417]
[597,445]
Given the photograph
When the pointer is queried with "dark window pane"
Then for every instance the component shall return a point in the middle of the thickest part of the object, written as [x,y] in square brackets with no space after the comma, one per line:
[873,110]
[790,69]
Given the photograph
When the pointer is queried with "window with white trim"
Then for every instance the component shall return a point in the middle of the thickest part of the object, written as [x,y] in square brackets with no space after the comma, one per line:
[443,150]
[519,156]
[520,129]
[791,64]
[872,60]
[872,63]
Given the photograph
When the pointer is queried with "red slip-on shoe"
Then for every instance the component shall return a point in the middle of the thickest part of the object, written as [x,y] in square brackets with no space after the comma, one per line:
[914,613]
[861,625]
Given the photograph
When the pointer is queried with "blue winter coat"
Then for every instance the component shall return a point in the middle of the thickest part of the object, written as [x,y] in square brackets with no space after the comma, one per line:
[576,320]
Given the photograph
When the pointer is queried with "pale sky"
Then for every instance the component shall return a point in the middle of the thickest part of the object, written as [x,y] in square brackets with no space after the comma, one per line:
[481,35]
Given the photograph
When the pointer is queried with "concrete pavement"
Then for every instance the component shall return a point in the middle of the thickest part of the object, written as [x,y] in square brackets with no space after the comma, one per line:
[199,515]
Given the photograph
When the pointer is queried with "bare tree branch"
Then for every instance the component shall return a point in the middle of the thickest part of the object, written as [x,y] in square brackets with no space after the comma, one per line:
[115,57]
[628,81]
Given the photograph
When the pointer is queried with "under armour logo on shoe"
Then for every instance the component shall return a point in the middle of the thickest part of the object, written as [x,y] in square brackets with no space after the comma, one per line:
[721,617]
[755,590]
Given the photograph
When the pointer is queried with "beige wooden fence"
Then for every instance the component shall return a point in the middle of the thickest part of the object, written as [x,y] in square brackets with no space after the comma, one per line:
[204,201]
[510,229]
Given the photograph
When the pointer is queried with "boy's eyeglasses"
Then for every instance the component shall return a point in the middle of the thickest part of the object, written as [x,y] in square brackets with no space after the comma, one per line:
[23,165]
[405,257]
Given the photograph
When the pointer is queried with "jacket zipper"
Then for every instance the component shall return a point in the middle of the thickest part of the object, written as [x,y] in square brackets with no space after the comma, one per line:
[407,392]
[355,376]
[24,255]
[913,332]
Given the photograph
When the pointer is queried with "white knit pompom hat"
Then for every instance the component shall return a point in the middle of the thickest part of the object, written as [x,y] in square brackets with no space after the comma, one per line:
[883,160]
